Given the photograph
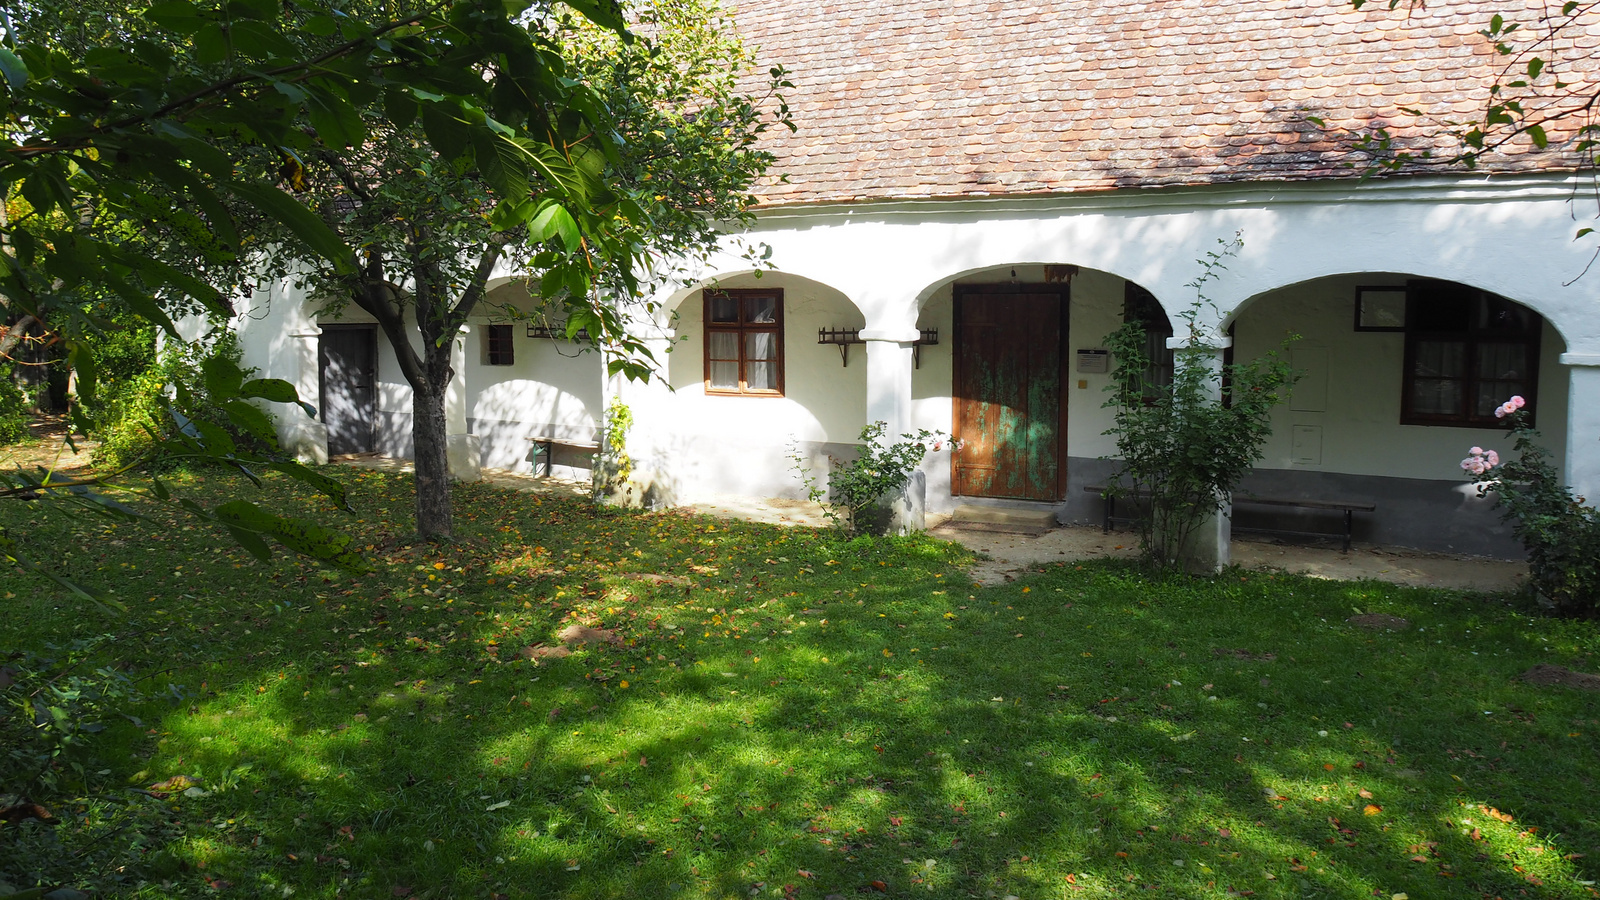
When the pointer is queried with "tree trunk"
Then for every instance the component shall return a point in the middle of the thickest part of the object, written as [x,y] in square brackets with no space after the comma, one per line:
[430,448]
[14,335]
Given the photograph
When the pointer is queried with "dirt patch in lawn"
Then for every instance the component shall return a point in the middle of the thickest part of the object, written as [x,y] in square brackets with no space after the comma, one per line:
[578,635]
[1379,622]
[1561,675]
[1245,654]
[570,637]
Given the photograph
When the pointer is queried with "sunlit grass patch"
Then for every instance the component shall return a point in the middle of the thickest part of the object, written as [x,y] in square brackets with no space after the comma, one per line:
[786,714]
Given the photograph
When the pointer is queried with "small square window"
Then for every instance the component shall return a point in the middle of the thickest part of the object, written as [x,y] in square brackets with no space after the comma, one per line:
[497,347]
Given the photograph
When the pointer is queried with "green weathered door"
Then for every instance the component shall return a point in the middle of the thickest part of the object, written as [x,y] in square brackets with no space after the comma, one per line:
[1008,395]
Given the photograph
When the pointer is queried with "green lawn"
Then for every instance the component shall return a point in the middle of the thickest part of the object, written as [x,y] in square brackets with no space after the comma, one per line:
[802,718]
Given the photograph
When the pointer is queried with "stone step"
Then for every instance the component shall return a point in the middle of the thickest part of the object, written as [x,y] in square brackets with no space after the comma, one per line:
[996,515]
[1000,519]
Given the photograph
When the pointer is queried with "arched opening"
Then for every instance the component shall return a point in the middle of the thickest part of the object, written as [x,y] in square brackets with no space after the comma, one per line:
[747,382]
[523,379]
[1019,375]
[1400,375]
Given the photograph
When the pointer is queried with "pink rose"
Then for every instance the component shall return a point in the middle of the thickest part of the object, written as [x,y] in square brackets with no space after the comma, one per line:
[1494,459]
[1517,402]
[1476,451]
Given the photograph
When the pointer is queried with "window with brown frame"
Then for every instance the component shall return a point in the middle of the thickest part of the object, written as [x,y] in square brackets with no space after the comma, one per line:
[744,342]
[1139,305]
[1467,352]
[497,347]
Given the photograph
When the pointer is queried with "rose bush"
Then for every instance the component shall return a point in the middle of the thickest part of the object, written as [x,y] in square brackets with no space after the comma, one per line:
[1560,532]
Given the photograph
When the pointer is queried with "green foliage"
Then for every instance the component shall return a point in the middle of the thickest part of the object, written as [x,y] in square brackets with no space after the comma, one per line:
[613,466]
[1560,532]
[768,681]
[1184,447]
[13,409]
[54,702]
[136,420]
[859,487]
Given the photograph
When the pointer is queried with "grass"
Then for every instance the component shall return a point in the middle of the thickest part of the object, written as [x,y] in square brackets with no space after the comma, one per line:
[803,718]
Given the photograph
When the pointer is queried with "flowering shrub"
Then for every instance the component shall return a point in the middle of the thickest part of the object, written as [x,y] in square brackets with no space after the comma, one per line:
[1561,534]
[858,486]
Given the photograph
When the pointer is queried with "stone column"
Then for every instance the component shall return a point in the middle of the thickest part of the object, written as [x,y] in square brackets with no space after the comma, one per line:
[462,448]
[1209,547]
[890,362]
[1583,425]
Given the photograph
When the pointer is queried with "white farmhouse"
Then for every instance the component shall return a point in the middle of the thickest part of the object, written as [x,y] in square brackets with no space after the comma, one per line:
[979,192]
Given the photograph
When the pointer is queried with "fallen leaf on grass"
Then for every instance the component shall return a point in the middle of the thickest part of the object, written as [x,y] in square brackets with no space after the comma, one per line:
[174,784]
[1371,809]
[804,873]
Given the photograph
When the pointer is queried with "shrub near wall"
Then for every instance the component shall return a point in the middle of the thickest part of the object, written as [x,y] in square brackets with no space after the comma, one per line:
[13,409]
[136,414]
[1561,534]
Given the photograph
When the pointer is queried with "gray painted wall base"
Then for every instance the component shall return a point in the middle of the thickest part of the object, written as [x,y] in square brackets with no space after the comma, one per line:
[1438,516]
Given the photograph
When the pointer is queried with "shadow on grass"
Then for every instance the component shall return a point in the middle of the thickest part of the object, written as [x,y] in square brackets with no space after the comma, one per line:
[825,719]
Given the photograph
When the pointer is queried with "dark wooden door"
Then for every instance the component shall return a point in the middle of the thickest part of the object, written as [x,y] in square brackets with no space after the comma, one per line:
[348,359]
[1008,394]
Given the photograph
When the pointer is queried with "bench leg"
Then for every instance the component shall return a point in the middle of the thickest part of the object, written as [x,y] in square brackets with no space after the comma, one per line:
[549,451]
[1110,504]
[1348,517]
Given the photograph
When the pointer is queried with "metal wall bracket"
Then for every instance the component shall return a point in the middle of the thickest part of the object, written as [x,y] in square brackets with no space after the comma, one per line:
[555,334]
[844,337]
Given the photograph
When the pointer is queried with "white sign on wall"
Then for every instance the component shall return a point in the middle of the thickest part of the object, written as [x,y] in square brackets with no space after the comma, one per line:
[1094,360]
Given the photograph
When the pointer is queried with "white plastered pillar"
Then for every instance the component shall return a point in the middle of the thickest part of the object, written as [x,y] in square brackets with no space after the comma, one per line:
[1209,548]
[461,447]
[305,437]
[1583,425]
[890,360]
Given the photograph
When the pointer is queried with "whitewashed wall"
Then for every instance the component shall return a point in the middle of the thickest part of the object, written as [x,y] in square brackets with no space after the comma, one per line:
[695,445]
[895,262]
[554,388]
[1352,390]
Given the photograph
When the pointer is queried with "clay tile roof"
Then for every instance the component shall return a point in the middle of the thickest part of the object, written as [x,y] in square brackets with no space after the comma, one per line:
[955,98]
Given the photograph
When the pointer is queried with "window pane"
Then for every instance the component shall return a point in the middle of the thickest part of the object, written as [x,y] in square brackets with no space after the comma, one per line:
[1502,373]
[1503,362]
[1441,359]
[760,345]
[725,375]
[724,345]
[1436,397]
[722,308]
[761,309]
[1440,306]
[1490,394]
[761,376]
[1503,317]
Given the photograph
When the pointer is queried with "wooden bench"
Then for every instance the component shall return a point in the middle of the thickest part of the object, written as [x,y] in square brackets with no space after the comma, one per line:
[1348,507]
[548,445]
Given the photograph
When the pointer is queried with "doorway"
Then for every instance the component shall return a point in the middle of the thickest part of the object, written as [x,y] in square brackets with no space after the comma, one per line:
[347,360]
[1008,376]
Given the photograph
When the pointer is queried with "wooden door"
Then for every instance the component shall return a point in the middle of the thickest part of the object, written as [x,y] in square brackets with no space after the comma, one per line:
[1008,393]
[347,357]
